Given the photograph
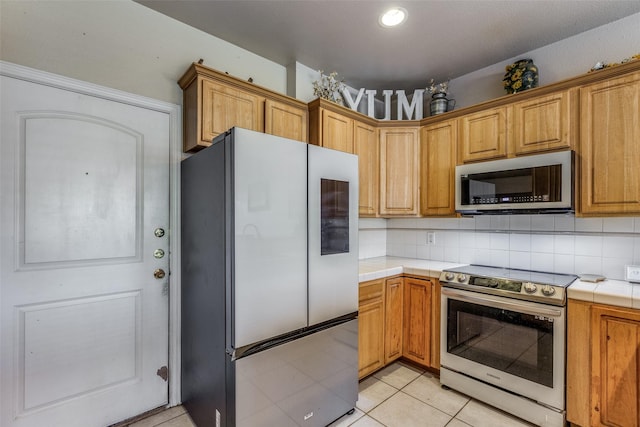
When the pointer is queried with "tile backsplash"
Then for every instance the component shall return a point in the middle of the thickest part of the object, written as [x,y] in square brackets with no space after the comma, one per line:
[556,243]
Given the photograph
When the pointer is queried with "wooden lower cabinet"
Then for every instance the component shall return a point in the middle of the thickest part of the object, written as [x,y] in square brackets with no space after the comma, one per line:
[615,366]
[398,318]
[416,344]
[371,312]
[393,323]
[603,365]
[435,324]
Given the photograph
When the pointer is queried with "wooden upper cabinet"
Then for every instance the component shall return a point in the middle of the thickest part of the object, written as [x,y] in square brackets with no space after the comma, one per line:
[610,146]
[544,123]
[416,345]
[483,135]
[337,131]
[399,168]
[285,120]
[615,366]
[224,107]
[214,102]
[393,322]
[437,168]
[367,147]
[334,126]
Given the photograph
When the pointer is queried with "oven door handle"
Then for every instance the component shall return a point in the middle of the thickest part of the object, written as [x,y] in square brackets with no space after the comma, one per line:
[507,305]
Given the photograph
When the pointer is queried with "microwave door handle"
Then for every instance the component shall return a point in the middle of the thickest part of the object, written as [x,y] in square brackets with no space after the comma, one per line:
[507,305]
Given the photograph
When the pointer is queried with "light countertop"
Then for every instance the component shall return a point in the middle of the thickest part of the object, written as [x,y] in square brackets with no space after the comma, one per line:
[612,292]
[385,266]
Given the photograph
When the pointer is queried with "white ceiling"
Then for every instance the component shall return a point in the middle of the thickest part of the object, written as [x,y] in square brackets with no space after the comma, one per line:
[441,38]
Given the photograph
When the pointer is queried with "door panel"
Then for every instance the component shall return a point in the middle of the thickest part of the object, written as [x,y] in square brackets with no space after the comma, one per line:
[85,182]
[87,199]
[97,365]
[333,234]
[270,208]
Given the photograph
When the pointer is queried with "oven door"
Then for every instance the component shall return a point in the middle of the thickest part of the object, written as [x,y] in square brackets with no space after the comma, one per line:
[516,345]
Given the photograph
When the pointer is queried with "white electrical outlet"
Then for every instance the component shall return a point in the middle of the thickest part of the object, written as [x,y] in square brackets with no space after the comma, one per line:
[431,238]
[632,273]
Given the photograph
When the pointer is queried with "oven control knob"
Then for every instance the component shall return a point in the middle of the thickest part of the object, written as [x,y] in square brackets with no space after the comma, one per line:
[462,278]
[530,288]
[548,290]
[449,276]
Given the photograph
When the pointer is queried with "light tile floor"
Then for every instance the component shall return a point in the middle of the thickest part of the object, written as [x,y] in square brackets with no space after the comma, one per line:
[399,395]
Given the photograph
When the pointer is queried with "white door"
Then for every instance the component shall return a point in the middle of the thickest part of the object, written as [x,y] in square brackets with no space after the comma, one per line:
[84,322]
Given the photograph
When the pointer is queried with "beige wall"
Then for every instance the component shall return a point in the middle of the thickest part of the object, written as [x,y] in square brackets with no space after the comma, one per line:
[122,45]
[558,61]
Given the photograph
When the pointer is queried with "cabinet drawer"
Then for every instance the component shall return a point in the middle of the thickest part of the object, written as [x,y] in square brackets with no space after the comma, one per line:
[369,291]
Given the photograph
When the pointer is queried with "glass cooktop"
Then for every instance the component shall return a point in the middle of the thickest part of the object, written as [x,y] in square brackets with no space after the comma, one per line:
[543,278]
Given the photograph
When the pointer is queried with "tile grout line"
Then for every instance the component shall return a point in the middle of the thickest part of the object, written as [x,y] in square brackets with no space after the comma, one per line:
[398,390]
[427,403]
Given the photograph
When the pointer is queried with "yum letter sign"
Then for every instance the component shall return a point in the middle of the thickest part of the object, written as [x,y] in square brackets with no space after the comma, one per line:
[411,110]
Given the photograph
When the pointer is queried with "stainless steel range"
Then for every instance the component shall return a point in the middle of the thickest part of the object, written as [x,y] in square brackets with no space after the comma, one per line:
[503,339]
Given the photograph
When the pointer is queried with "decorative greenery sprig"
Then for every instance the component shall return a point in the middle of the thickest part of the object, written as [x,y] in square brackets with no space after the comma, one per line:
[328,87]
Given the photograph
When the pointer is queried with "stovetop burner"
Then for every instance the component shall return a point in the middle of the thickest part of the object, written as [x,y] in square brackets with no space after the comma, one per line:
[549,288]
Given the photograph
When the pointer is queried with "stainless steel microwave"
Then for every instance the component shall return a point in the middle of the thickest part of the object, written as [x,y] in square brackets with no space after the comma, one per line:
[541,183]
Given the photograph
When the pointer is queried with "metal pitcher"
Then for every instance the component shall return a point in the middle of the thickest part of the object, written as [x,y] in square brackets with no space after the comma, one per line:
[440,104]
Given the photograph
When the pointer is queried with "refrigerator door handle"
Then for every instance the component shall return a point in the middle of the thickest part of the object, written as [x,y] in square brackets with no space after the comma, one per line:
[248,350]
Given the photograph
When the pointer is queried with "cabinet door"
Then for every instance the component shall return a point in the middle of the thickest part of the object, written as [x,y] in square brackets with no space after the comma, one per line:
[416,344]
[578,362]
[435,324]
[366,146]
[543,123]
[399,170]
[285,120]
[438,161]
[610,146]
[483,135]
[370,327]
[337,131]
[224,107]
[615,396]
[394,314]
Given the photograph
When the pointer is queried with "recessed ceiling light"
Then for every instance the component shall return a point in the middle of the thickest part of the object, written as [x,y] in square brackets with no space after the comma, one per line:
[393,17]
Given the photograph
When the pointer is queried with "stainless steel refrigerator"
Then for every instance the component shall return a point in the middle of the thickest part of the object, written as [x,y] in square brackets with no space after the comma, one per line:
[269,282]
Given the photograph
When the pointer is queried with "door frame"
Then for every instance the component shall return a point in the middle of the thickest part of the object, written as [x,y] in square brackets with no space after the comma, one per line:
[20,72]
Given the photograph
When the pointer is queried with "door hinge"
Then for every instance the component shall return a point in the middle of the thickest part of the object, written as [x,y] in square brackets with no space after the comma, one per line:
[163,373]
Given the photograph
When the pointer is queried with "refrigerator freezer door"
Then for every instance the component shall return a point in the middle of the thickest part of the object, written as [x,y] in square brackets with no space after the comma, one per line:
[269,292]
[310,381]
[333,234]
